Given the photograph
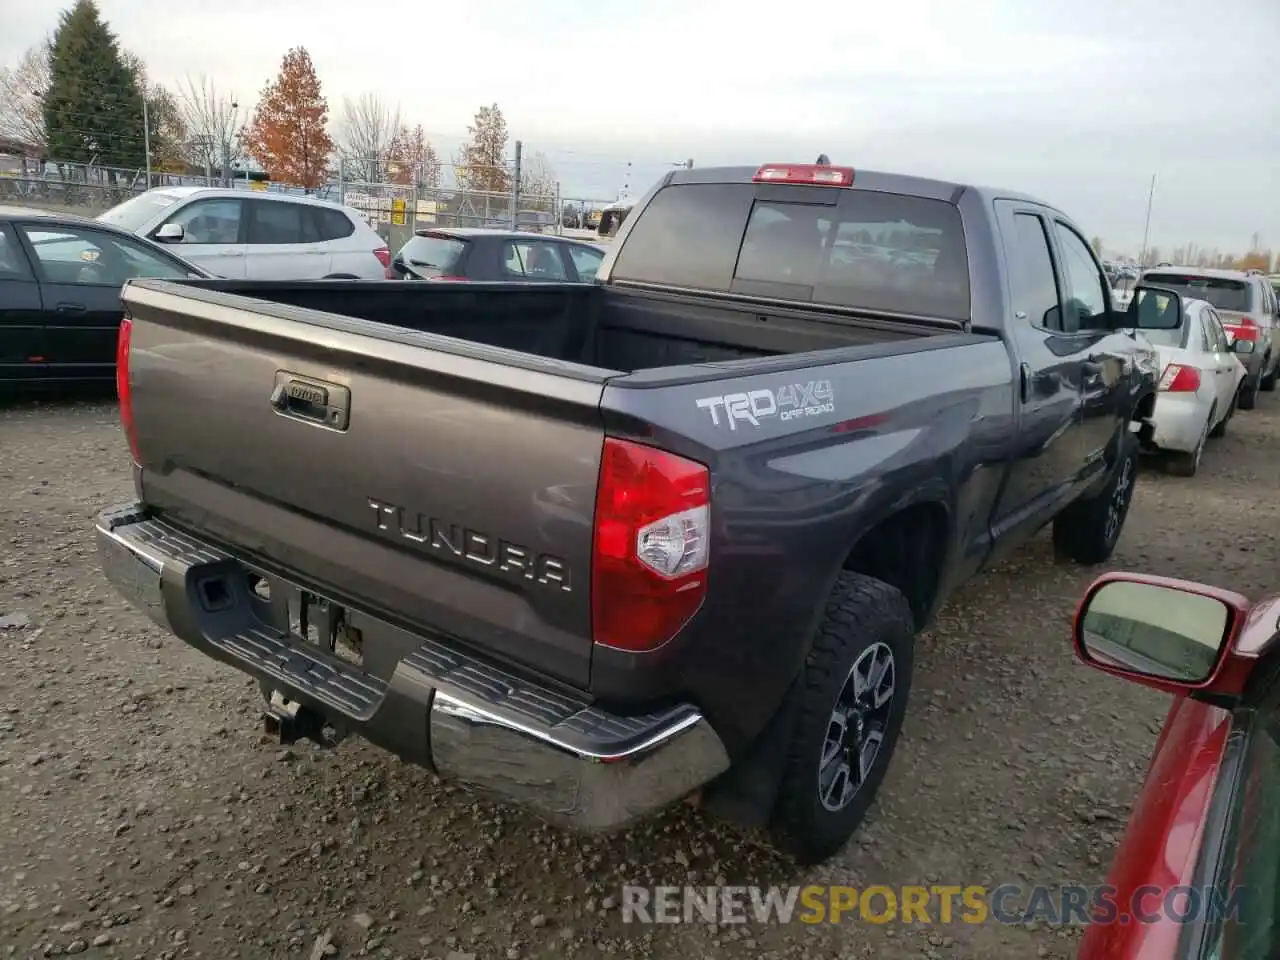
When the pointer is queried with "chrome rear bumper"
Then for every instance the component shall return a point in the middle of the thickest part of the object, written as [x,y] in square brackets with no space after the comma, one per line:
[468,719]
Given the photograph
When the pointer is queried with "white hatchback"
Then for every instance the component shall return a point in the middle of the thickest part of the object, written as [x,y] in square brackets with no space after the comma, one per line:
[242,234]
[1201,380]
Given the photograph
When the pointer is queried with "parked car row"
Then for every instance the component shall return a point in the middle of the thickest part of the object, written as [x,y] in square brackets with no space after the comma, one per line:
[60,274]
[1222,351]
[60,280]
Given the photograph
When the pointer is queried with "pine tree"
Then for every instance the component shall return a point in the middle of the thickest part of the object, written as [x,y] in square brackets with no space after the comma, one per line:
[93,107]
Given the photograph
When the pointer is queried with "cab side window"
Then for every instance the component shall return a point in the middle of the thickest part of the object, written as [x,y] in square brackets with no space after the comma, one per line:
[1086,295]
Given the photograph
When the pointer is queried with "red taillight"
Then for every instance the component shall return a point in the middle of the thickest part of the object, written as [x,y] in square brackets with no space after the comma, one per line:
[1244,329]
[812,173]
[1179,379]
[390,273]
[651,543]
[384,256]
[124,391]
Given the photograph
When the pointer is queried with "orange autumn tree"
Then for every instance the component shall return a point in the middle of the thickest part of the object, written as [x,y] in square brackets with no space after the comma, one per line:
[413,157]
[287,134]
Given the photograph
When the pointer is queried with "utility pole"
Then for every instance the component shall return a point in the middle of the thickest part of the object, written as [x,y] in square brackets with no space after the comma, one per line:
[515,187]
[146,135]
[1146,231]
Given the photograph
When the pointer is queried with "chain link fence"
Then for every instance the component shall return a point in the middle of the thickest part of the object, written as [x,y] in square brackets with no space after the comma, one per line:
[89,189]
[398,198]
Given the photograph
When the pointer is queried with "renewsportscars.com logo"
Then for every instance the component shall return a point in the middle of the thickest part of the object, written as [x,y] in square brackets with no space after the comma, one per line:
[1013,904]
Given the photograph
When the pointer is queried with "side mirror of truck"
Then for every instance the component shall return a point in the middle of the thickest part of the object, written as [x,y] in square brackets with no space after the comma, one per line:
[1153,308]
[170,233]
[1174,635]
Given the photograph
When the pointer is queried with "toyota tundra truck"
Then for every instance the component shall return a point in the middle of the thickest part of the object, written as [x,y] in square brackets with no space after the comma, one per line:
[597,549]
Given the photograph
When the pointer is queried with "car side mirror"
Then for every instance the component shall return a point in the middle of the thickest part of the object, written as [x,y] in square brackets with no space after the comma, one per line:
[1154,308]
[1173,635]
[171,233]
[1243,346]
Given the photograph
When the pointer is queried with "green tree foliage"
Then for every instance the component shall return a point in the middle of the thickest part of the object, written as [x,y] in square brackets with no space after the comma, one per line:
[93,106]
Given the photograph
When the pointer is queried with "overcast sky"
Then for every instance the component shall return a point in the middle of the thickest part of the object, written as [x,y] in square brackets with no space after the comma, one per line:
[1077,102]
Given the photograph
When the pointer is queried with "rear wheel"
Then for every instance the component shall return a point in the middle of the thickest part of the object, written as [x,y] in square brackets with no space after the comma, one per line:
[1186,464]
[853,696]
[1248,394]
[1221,429]
[1087,531]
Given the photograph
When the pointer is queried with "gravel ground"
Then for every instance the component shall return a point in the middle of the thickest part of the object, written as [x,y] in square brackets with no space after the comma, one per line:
[146,816]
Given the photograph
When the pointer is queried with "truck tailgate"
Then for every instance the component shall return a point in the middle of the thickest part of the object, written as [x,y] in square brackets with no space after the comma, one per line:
[445,485]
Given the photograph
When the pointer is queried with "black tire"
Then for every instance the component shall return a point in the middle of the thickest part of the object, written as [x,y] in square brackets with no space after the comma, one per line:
[1186,464]
[1268,383]
[866,622]
[1086,532]
[1248,395]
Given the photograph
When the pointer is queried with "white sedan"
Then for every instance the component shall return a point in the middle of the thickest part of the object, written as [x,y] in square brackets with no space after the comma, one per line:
[1199,383]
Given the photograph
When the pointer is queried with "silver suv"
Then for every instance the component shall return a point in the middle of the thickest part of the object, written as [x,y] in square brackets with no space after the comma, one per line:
[1249,309]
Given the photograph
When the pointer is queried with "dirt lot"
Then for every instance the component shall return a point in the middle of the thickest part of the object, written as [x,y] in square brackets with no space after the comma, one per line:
[145,816]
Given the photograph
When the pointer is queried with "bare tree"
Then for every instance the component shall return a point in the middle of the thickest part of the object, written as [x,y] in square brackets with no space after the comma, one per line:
[212,121]
[538,182]
[366,130]
[22,89]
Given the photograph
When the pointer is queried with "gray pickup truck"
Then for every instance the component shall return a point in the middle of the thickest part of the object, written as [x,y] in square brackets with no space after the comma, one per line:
[596,549]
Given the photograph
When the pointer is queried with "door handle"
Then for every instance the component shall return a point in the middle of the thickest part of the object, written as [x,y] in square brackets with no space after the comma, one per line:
[70,308]
[231,253]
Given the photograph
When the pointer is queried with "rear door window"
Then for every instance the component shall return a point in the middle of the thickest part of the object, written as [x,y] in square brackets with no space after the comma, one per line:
[1224,293]
[1032,280]
[533,261]
[586,261]
[273,222]
[877,251]
[331,224]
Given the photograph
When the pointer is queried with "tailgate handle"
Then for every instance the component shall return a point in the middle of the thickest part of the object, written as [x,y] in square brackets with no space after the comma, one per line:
[312,401]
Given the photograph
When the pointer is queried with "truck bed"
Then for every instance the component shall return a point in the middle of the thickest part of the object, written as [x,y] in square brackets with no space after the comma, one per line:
[610,328]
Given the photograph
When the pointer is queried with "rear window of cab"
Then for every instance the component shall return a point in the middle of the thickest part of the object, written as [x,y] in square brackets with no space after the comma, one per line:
[877,251]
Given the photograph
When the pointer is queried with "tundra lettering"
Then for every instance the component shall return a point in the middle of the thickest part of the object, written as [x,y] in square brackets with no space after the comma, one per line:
[472,545]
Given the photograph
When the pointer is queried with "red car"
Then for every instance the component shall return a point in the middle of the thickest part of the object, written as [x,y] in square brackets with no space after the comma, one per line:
[1197,875]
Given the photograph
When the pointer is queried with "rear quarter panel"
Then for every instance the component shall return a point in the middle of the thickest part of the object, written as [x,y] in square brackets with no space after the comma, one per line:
[791,496]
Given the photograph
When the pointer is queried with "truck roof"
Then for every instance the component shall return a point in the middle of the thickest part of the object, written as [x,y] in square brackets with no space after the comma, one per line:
[866,180]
